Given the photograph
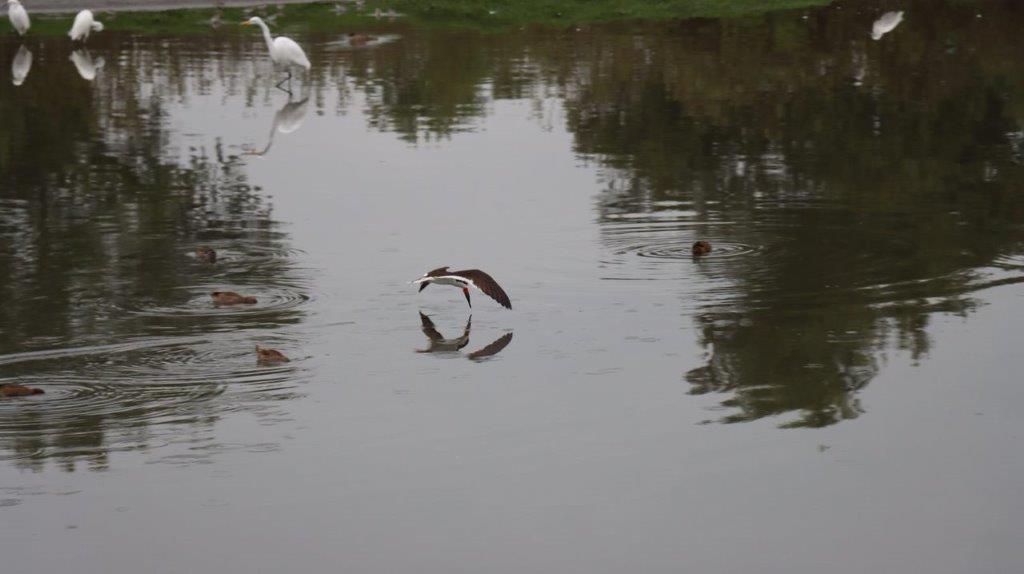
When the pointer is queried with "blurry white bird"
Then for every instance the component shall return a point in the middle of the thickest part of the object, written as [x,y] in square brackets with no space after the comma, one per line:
[18,16]
[83,26]
[284,52]
[86,66]
[21,65]
[887,23]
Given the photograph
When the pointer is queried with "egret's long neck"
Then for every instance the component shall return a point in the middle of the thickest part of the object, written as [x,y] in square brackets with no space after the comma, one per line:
[266,35]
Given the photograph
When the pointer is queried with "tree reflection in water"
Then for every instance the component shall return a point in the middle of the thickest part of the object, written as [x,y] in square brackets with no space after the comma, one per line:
[852,188]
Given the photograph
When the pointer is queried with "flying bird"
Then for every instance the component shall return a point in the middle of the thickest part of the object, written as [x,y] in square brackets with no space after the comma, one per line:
[18,16]
[84,25]
[464,280]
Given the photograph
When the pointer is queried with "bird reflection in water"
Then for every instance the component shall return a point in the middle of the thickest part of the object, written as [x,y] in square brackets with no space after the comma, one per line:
[439,344]
[85,64]
[885,24]
[21,65]
[287,120]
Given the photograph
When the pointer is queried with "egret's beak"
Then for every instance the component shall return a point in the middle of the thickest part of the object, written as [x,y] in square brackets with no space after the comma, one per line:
[246,23]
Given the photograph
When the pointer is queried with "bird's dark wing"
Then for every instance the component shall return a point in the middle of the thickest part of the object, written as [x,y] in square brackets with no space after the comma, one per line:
[487,284]
[493,349]
[429,330]
[438,272]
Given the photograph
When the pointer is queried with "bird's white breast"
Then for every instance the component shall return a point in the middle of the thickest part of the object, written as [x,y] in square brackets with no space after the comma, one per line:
[450,280]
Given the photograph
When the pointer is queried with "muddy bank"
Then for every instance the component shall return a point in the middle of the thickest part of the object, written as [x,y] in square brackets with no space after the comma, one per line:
[60,6]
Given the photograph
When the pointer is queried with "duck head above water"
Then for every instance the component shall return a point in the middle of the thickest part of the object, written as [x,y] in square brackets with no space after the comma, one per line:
[19,391]
[270,356]
[232,298]
[206,254]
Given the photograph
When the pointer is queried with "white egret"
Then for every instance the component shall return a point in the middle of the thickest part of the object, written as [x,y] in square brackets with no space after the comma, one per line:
[84,25]
[21,65]
[86,66]
[284,52]
[887,23]
[18,16]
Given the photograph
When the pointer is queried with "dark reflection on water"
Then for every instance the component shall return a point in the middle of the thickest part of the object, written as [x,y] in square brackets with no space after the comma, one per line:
[451,346]
[854,176]
[105,305]
[851,188]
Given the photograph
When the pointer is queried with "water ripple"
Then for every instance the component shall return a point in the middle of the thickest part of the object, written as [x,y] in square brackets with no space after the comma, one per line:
[755,265]
[269,299]
[113,393]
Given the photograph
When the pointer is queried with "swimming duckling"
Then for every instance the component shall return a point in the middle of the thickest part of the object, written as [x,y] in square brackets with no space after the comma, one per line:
[19,391]
[206,254]
[266,356]
[232,298]
[701,248]
[360,40]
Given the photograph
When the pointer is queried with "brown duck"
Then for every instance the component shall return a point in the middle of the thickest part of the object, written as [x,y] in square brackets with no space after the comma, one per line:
[360,40]
[206,254]
[19,391]
[701,248]
[232,298]
[266,356]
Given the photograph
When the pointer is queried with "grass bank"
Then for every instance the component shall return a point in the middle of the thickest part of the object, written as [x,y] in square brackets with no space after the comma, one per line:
[487,14]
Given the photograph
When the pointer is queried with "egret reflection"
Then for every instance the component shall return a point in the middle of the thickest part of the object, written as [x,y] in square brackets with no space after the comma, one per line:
[287,120]
[885,24]
[85,64]
[440,344]
[21,65]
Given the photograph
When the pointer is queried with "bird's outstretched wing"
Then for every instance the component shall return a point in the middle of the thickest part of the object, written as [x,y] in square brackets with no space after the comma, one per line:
[429,329]
[493,349]
[485,283]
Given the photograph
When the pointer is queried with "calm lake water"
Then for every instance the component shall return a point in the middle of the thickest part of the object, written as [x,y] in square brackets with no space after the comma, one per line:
[835,388]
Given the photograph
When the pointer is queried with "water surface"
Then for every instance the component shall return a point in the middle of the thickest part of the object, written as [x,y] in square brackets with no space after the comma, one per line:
[832,388]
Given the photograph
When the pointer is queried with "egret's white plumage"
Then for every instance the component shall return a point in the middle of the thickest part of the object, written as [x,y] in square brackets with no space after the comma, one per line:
[18,16]
[84,25]
[21,65]
[284,52]
[86,66]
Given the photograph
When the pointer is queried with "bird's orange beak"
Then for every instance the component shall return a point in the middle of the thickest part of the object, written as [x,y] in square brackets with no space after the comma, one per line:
[246,23]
